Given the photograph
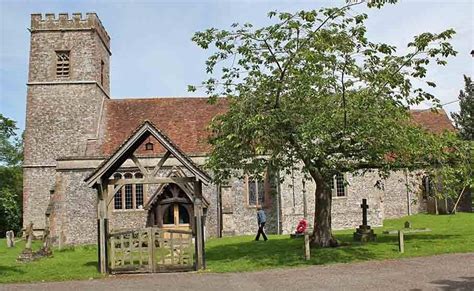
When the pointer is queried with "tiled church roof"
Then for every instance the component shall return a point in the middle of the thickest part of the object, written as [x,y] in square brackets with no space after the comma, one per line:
[184,121]
[436,122]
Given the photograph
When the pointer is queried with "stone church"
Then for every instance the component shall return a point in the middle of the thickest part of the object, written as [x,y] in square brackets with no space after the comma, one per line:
[73,126]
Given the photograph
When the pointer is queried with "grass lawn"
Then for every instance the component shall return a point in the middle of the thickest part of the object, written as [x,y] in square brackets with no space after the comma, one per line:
[450,234]
[68,264]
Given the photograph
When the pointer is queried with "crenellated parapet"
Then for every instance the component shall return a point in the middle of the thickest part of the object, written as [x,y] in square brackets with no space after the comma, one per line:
[64,22]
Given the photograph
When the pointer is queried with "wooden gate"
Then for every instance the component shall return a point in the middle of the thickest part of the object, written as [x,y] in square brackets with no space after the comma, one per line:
[151,250]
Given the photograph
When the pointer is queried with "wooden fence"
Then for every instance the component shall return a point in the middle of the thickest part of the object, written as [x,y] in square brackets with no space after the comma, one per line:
[151,250]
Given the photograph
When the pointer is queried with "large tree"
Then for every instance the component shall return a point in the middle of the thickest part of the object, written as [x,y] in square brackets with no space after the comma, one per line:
[465,118]
[11,176]
[312,90]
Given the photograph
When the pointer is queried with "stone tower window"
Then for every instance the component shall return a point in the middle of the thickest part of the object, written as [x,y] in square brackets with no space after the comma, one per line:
[62,64]
[102,67]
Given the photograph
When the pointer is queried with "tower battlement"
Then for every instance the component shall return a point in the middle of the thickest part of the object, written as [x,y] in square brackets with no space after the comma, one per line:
[65,22]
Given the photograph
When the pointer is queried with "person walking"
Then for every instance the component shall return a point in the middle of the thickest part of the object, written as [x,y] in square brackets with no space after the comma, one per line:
[261,219]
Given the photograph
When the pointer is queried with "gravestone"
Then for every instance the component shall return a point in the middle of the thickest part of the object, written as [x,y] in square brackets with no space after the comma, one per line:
[45,251]
[363,233]
[407,224]
[27,254]
[10,238]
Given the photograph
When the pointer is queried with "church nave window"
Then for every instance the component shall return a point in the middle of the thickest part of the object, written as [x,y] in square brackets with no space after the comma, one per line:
[259,189]
[339,185]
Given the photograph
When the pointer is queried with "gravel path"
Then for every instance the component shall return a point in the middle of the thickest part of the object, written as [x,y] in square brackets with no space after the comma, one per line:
[444,272]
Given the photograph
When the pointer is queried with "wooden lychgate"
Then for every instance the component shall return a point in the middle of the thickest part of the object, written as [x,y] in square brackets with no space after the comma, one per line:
[149,249]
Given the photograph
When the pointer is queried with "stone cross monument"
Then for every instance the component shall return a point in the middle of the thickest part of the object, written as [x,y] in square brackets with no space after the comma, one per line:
[364,233]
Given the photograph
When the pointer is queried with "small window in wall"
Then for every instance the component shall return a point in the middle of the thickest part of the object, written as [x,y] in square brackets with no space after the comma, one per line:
[102,67]
[62,64]
[130,196]
[338,185]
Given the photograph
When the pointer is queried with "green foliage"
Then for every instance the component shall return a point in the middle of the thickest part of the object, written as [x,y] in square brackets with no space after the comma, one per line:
[11,177]
[312,88]
[453,166]
[465,118]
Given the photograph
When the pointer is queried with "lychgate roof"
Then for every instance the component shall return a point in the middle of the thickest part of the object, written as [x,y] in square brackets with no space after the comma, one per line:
[128,147]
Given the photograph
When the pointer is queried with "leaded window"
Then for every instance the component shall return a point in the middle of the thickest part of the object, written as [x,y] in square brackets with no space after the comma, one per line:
[62,64]
[338,185]
[130,196]
[257,190]
[138,192]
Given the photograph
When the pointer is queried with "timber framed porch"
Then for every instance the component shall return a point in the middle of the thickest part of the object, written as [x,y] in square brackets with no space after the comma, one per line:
[152,249]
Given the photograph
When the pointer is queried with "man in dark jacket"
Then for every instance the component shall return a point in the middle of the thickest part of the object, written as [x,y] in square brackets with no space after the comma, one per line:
[262,219]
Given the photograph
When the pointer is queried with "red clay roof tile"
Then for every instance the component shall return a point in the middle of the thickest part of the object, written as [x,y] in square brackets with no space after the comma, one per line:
[185,121]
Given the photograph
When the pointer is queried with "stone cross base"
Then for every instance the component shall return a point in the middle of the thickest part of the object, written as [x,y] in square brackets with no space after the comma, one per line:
[364,234]
[26,256]
[44,252]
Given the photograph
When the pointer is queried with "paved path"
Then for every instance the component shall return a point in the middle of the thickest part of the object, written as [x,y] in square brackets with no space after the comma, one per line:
[445,272]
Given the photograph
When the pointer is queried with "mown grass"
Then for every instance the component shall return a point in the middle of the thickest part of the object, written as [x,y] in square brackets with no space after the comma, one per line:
[450,234]
[76,263]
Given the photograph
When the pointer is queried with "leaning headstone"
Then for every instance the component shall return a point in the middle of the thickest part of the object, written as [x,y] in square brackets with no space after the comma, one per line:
[45,251]
[10,238]
[27,254]
[364,233]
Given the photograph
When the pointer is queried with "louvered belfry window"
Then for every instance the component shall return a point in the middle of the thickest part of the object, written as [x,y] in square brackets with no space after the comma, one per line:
[62,64]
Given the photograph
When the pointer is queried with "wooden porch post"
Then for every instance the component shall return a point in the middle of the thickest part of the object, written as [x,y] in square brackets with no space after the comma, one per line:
[102,227]
[198,218]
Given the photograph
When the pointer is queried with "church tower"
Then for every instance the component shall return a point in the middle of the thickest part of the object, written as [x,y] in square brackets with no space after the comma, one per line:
[68,83]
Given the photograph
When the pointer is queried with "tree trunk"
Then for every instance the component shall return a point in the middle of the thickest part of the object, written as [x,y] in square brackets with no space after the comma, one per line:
[322,233]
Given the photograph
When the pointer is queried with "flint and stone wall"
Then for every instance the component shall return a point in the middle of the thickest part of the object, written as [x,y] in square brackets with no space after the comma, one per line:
[62,112]
[238,217]
[75,205]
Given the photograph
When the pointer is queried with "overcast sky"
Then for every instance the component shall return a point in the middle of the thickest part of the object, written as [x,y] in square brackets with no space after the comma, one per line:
[152,52]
